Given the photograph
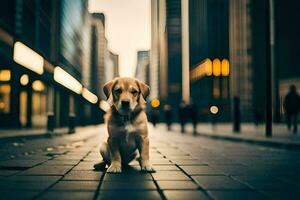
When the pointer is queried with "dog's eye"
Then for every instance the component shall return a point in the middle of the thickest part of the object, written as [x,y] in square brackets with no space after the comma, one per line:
[118,91]
[134,92]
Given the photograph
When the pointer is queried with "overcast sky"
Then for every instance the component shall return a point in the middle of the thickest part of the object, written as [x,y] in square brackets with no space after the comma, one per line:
[127,29]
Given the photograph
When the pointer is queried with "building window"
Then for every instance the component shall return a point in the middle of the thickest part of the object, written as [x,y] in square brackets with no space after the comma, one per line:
[5,89]
[5,98]
[39,115]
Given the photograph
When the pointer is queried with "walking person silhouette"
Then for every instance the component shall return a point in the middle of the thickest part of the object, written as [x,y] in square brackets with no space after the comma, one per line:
[292,107]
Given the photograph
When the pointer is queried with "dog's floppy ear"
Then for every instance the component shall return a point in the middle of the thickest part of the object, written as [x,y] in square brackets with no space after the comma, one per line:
[145,89]
[107,89]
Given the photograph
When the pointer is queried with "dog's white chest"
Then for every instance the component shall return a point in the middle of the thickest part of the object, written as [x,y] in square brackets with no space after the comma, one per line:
[130,128]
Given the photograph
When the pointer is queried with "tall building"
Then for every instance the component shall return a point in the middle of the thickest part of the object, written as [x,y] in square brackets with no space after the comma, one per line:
[105,64]
[165,54]
[209,52]
[241,56]
[286,48]
[56,36]
[99,46]
[115,61]
[142,68]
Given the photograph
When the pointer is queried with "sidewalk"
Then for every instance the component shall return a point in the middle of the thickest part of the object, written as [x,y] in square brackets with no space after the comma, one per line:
[282,138]
[7,135]
[187,167]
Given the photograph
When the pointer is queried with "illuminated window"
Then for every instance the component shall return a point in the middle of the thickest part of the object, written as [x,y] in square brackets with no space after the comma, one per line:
[225,67]
[5,98]
[5,75]
[216,67]
[208,67]
[39,115]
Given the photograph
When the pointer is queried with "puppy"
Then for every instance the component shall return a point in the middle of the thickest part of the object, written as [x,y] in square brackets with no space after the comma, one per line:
[126,125]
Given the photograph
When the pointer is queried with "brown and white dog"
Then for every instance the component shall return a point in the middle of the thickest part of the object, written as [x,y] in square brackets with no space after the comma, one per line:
[126,125]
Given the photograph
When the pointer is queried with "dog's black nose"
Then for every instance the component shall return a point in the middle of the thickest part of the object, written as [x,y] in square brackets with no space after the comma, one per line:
[125,104]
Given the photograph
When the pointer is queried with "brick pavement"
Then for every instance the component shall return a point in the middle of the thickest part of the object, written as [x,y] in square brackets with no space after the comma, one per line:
[187,167]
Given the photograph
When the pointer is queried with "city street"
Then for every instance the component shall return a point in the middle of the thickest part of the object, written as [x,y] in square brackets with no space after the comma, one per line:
[187,167]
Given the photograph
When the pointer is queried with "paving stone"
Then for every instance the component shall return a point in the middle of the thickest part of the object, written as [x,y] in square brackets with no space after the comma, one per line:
[18,194]
[185,194]
[75,186]
[236,195]
[68,157]
[239,170]
[179,185]
[17,185]
[4,172]
[165,168]
[264,183]
[83,175]
[93,158]
[34,178]
[160,162]
[17,163]
[50,195]
[85,166]
[189,162]
[201,170]
[282,194]
[218,182]
[129,177]
[41,158]
[46,170]
[170,175]
[130,195]
[61,162]
[128,185]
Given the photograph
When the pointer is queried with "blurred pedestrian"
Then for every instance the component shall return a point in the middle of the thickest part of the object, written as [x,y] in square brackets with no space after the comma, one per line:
[258,116]
[292,107]
[182,113]
[193,111]
[168,116]
[154,116]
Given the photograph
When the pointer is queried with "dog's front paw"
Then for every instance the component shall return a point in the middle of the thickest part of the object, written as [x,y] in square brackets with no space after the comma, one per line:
[146,166]
[114,168]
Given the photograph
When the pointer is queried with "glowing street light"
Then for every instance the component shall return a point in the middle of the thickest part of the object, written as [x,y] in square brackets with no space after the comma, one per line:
[38,86]
[28,58]
[155,103]
[89,96]
[214,110]
[24,80]
[65,79]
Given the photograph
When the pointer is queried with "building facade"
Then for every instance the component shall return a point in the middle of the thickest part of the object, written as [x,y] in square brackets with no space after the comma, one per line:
[51,34]
[142,68]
